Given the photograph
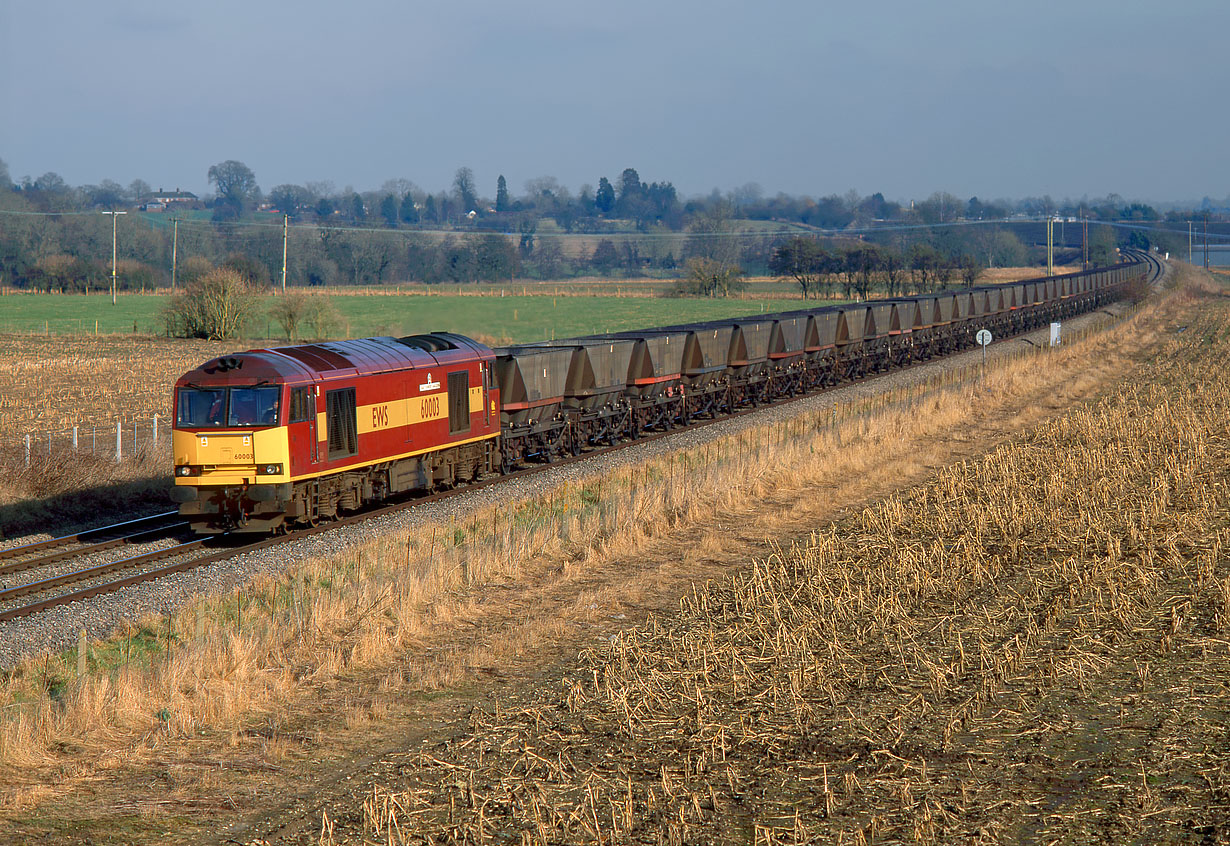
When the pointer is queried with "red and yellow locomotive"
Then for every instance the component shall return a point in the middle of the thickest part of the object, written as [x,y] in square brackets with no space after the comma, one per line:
[271,438]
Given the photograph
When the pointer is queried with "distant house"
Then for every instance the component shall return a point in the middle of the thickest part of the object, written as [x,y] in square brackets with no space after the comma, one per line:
[162,200]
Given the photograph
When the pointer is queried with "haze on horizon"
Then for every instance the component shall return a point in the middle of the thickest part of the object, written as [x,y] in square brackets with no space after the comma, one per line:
[997,100]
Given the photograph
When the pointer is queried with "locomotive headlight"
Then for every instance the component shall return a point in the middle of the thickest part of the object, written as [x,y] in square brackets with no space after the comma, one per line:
[269,469]
[187,470]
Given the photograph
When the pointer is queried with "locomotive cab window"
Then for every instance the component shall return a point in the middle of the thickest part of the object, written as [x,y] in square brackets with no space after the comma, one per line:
[458,402]
[197,408]
[302,405]
[254,406]
[343,424]
[204,408]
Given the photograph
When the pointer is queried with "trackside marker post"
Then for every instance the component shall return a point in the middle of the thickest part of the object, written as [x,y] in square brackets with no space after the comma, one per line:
[983,338]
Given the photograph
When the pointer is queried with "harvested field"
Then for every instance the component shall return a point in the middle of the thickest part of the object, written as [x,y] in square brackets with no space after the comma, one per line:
[1032,647]
[50,384]
[325,670]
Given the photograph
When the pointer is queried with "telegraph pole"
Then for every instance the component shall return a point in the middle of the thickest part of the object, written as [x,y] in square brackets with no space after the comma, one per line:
[1206,240]
[174,251]
[1050,244]
[1084,242]
[114,216]
[1189,242]
[285,232]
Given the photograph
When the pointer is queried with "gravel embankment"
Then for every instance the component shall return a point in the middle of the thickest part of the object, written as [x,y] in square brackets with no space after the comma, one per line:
[57,628]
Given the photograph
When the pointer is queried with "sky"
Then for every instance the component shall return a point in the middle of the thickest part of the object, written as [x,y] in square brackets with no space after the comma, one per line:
[1068,98]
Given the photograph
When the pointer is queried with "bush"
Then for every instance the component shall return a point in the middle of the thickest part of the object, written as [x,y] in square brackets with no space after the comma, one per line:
[710,278]
[216,307]
[295,310]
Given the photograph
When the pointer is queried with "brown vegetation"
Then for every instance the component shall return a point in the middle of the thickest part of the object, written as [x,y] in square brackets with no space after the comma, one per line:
[224,664]
[1029,648]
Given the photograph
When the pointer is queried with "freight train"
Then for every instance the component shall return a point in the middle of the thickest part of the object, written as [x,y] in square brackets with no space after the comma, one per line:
[272,439]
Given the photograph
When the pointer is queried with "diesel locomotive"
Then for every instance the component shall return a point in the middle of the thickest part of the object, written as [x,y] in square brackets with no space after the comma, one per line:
[269,439]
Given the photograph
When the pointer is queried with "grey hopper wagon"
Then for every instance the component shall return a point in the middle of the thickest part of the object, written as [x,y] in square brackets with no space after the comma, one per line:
[705,352]
[880,323]
[793,336]
[926,312]
[828,321]
[971,308]
[656,360]
[532,381]
[906,317]
[852,327]
[749,345]
[947,309]
[598,372]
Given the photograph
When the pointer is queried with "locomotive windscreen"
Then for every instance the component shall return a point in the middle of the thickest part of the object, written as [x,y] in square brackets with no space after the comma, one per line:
[211,408]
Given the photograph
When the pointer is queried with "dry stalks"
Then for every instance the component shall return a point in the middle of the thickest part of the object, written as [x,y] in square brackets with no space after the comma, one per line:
[1029,648]
[760,669]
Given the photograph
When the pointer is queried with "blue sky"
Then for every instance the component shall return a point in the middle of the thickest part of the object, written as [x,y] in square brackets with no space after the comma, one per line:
[1071,99]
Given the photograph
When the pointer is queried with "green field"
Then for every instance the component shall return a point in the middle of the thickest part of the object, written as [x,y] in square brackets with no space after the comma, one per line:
[493,318]
[74,314]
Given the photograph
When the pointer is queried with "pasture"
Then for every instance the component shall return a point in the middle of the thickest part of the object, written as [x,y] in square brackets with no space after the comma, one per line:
[499,315]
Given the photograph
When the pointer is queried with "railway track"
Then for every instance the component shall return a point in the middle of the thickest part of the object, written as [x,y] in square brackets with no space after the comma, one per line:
[1157,268]
[221,548]
[104,537]
[51,591]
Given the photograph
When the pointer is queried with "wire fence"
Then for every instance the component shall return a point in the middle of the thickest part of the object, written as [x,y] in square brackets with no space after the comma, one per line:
[118,440]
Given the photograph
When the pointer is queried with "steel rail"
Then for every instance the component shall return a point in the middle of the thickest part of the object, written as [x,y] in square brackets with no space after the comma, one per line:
[86,536]
[80,552]
[53,582]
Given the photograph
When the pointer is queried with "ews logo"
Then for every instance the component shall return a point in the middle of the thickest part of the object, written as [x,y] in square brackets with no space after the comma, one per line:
[380,416]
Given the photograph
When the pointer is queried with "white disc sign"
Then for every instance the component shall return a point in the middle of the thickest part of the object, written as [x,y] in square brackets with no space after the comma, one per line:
[983,337]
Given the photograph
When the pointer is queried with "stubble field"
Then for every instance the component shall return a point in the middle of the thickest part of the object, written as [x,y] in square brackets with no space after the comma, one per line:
[1031,647]
[1028,645]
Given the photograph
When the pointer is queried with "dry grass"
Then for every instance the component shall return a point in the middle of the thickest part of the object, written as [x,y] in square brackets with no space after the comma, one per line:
[220,663]
[68,492]
[1029,648]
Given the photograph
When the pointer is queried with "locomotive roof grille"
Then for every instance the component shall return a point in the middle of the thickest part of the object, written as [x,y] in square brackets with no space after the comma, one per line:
[427,343]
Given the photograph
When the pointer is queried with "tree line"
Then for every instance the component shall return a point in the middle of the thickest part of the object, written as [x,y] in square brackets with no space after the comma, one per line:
[622,227]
